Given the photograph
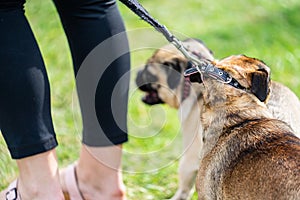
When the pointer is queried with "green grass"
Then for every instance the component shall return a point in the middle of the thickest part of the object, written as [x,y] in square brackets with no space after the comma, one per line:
[268,30]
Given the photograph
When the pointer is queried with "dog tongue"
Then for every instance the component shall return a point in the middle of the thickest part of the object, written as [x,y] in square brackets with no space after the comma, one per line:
[151,98]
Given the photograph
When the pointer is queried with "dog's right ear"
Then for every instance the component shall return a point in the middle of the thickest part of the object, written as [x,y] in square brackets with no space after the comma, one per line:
[198,48]
[260,85]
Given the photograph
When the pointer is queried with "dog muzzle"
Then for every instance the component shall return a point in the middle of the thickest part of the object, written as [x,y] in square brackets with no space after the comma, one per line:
[151,96]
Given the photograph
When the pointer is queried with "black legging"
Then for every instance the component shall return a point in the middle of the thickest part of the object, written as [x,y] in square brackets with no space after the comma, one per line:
[25,118]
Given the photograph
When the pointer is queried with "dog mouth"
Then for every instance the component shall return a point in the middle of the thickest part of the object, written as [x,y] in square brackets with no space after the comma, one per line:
[151,96]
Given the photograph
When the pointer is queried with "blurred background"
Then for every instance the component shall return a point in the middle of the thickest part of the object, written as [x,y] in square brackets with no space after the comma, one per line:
[268,30]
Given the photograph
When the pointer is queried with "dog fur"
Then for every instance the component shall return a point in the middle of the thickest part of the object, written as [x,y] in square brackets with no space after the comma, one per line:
[162,79]
[246,153]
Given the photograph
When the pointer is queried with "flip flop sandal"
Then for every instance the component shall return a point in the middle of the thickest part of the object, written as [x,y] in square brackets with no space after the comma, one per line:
[70,181]
[12,192]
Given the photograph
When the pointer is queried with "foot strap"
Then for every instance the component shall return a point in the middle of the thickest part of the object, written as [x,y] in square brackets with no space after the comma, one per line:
[71,183]
[12,192]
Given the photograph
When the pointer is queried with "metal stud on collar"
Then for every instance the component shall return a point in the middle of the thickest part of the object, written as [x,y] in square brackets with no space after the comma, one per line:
[207,68]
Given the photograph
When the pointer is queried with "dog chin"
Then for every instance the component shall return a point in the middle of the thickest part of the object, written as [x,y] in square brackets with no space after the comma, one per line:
[152,98]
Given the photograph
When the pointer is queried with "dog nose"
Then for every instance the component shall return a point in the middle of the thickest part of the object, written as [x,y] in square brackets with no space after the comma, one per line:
[139,79]
[140,82]
[143,84]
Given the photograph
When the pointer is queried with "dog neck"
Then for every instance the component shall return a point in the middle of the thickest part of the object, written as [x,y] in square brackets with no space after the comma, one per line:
[225,106]
[186,89]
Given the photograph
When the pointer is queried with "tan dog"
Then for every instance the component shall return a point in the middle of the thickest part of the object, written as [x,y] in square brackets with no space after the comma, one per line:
[246,153]
[162,81]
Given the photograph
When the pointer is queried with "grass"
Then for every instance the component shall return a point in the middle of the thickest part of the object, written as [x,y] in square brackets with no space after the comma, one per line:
[268,30]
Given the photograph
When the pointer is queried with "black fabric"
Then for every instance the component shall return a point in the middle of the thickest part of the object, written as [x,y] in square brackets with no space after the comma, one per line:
[25,118]
[11,4]
[88,24]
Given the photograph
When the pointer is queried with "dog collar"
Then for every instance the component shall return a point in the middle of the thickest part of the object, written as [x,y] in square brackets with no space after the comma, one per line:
[210,70]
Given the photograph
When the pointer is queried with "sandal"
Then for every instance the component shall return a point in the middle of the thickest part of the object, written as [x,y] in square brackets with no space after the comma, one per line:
[12,192]
[68,176]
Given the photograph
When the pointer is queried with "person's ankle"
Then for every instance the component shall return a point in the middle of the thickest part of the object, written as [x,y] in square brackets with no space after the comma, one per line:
[32,191]
[107,188]
[38,177]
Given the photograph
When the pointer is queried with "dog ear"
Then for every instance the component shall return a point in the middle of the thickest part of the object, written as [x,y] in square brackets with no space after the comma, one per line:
[260,84]
[198,48]
[174,73]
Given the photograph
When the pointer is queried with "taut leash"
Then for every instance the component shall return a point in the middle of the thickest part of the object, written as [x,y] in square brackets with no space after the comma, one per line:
[139,10]
[204,67]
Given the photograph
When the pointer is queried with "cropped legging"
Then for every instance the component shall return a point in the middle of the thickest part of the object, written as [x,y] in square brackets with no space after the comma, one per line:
[99,48]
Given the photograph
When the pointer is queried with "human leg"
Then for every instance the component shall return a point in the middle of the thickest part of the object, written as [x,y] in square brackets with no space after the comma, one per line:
[25,118]
[38,177]
[94,30]
[106,162]
[98,174]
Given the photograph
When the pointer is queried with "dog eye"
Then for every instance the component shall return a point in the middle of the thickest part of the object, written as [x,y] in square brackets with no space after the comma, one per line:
[166,64]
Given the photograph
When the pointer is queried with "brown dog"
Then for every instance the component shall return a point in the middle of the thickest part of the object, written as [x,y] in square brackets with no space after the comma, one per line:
[246,153]
[162,81]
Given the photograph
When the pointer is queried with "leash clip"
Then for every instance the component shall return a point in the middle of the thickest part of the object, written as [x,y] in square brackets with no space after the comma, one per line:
[209,69]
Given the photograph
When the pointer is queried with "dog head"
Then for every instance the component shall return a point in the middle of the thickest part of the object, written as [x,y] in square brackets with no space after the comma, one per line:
[251,74]
[161,79]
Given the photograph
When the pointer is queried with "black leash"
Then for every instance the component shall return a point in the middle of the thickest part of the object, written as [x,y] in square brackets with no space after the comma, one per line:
[139,10]
[200,65]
